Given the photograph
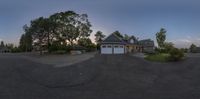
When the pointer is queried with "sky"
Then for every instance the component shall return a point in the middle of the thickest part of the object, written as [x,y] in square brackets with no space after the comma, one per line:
[141,18]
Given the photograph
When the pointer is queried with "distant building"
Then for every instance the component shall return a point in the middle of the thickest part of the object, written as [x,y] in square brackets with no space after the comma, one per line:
[4,49]
[195,50]
[147,45]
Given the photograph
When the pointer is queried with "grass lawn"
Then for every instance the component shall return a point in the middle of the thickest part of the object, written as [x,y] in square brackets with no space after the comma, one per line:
[162,57]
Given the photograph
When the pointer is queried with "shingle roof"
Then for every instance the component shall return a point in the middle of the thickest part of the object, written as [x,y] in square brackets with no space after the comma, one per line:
[117,40]
[113,39]
[134,39]
[146,42]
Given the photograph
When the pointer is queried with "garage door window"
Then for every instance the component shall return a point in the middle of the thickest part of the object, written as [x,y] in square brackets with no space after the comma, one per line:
[109,46]
[121,47]
[104,46]
[116,46]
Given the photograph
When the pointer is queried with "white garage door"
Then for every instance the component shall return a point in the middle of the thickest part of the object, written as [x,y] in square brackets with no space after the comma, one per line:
[106,49]
[118,49]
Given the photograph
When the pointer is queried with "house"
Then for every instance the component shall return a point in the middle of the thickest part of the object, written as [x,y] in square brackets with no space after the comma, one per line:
[116,45]
[195,50]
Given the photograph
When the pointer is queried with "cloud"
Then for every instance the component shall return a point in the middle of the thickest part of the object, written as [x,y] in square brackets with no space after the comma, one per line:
[1,39]
[186,42]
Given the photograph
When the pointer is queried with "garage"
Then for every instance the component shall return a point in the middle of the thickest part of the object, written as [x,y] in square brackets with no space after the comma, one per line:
[112,49]
[118,49]
[113,45]
[106,49]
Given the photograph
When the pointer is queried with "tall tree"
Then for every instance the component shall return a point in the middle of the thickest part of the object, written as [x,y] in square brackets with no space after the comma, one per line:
[85,42]
[43,31]
[72,26]
[161,37]
[2,44]
[10,46]
[22,43]
[39,30]
[118,34]
[60,27]
[193,48]
[25,43]
[126,37]
[99,37]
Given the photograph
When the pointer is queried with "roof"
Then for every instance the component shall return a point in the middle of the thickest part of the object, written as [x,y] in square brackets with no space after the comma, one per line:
[132,38]
[112,38]
[146,42]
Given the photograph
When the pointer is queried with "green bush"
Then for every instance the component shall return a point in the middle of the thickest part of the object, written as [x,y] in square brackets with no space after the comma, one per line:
[176,54]
[161,57]
[91,47]
[161,50]
[58,48]
[15,50]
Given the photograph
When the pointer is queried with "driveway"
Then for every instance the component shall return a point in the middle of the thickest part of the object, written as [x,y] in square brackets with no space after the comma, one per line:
[193,54]
[59,60]
[101,77]
[139,55]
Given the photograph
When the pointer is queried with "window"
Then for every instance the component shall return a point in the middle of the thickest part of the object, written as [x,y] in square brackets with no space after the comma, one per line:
[121,47]
[132,41]
[109,46]
[103,46]
[116,46]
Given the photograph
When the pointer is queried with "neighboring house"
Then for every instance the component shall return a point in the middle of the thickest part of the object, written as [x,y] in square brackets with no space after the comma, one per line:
[195,50]
[198,49]
[147,45]
[4,50]
[116,45]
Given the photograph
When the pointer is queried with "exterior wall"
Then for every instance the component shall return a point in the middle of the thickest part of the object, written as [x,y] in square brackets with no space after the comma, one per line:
[149,49]
[126,49]
[134,48]
[105,49]
[196,50]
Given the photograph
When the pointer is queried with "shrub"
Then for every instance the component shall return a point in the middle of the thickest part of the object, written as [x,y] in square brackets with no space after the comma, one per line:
[91,47]
[58,48]
[15,50]
[59,52]
[176,54]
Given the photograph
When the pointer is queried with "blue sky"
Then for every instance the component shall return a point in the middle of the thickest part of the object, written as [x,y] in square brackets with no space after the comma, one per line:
[141,18]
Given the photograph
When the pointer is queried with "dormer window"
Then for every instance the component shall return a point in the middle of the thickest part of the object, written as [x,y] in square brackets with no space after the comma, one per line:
[131,41]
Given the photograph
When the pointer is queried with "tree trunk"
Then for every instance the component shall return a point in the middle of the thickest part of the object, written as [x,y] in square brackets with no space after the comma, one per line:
[40,50]
[48,43]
